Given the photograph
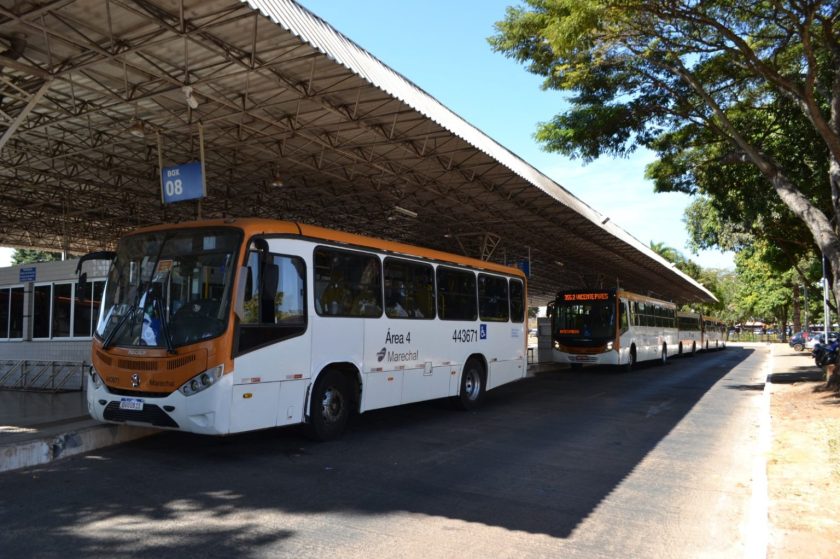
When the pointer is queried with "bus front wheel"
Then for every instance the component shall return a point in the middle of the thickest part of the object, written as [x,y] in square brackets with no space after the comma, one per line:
[472,386]
[330,409]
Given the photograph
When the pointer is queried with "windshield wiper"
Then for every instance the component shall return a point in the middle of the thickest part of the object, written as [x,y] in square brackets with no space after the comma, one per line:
[106,343]
[164,327]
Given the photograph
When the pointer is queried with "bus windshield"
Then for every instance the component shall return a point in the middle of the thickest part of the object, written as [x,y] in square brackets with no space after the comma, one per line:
[584,316]
[169,288]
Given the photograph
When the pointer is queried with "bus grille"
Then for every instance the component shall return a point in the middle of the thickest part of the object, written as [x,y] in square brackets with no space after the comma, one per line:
[180,362]
[137,365]
[151,414]
[104,358]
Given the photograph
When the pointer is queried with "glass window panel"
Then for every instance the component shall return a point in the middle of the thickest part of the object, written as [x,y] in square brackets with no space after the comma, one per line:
[456,294]
[4,313]
[347,283]
[517,301]
[61,311]
[409,289]
[493,302]
[16,312]
[41,295]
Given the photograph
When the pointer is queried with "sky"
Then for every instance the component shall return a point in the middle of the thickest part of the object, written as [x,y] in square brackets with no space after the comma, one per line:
[441,46]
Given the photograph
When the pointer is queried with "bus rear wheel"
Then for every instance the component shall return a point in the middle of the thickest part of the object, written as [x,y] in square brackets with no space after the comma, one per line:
[472,386]
[663,357]
[330,409]
[693,350]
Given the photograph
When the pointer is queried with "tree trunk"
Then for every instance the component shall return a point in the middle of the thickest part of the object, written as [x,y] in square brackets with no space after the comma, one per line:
[797,310]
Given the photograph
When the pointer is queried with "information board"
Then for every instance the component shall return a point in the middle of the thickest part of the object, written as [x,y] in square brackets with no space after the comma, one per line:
[182,182]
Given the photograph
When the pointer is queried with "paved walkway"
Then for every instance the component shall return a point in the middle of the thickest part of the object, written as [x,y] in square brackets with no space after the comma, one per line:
[39,427]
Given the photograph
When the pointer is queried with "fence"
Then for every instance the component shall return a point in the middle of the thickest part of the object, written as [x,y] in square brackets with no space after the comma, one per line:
[44,376]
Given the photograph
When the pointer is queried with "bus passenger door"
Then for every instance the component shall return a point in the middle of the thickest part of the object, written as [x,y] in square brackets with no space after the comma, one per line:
[273,349]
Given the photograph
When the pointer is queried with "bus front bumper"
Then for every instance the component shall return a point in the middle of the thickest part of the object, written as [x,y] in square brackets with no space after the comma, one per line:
[206,412]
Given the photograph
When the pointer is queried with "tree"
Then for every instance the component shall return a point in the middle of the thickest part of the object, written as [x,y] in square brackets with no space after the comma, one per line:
[762,293]
[743,77]
[27,256]
[682,263]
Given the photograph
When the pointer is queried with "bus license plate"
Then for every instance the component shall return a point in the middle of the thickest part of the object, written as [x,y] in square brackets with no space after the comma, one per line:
[132,404]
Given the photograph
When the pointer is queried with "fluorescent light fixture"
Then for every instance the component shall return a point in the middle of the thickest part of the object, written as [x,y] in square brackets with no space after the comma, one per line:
[405,212]
[559,263]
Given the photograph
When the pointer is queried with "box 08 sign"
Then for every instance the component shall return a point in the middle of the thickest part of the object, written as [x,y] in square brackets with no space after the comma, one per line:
[182,182]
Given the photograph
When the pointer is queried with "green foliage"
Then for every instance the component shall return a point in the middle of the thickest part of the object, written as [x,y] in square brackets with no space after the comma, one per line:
[762,292]
[26,256]
[733,96]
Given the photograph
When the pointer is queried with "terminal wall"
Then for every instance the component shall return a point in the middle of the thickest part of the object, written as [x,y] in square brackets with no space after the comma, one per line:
[46,324]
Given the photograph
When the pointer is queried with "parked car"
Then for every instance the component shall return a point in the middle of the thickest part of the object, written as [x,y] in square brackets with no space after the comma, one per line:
[797,341]
[820,339]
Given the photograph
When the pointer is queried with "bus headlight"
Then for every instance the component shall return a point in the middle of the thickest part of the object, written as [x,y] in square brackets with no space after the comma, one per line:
[95,378]
[609,346]
[201,381]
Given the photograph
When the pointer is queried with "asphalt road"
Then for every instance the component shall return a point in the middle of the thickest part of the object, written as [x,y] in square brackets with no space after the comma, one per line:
[592,463]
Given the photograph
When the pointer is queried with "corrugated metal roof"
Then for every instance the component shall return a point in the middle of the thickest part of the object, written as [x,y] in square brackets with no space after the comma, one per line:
[317,32]
[283,99]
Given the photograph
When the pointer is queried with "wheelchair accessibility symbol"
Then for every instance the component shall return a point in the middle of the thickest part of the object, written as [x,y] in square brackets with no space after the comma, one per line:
[482,332]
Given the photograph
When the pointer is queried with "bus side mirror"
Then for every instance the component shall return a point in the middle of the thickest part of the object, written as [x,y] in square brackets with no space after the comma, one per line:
[241,289]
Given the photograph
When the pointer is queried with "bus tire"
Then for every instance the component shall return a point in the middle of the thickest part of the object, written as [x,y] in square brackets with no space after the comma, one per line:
[679,351]
[693,349]
[631,361]
[663,358]
[473,381]
[330,408]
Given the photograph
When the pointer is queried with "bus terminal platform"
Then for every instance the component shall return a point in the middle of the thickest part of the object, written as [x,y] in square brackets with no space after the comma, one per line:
[37,427]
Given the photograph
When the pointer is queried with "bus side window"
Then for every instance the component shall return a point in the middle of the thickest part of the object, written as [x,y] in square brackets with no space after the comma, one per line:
[517,301]
[622,314]
[276,309]
[347,283]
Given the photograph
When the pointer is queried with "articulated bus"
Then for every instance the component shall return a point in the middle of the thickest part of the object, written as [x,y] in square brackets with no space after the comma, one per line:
[714,333]
[611,327]
[226,326]
[690,326]
[698,331]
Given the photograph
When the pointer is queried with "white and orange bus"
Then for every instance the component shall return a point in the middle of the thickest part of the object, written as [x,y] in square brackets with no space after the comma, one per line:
[690,326]
[700,332]
[233,325]
[714,333]
[611,327]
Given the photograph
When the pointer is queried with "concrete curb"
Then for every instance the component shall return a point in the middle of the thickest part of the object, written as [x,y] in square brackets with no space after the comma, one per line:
[67,440]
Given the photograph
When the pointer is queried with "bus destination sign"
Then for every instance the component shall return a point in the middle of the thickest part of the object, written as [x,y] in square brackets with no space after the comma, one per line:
[586,296]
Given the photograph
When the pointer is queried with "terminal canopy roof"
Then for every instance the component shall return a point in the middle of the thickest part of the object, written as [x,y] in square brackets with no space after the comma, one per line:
[298,123]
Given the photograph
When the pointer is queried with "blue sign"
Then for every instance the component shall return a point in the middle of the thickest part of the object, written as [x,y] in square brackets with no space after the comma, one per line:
[27,274]
[182,182]
[482,332]
[525,266]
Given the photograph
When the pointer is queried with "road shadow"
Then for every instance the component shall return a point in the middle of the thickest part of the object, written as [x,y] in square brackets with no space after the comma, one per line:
[538,457]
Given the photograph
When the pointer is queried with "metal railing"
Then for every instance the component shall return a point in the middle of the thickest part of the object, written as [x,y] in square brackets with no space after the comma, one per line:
[44,376]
